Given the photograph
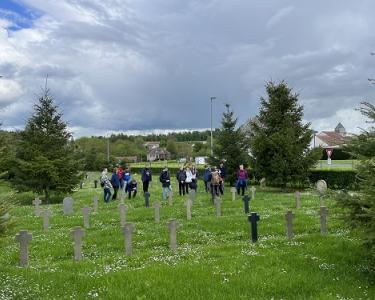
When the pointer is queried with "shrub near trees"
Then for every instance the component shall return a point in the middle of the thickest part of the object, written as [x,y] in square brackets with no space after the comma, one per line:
[360,208]
[279,141]
[46,160]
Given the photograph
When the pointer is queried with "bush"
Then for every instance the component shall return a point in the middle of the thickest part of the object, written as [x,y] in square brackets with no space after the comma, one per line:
[336,179]
[6,222]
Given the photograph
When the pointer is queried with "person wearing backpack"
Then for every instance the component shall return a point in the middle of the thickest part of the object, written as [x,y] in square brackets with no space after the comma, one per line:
[194,180]
[146,178]
[223,174]
[106,185]
[215,182]
[165,180]
[181,178]
[115,181]
[241,180]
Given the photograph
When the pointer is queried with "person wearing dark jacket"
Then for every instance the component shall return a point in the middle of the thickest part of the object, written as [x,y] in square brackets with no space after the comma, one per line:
[146,178]
[181,178]
[165,180]
[132,187]
[115,181]
[206,177]
[223,173]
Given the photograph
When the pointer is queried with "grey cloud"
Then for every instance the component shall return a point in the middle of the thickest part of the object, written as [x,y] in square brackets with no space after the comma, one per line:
[136,65]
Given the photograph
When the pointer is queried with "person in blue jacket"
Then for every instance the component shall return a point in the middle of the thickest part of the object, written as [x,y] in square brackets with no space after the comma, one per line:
[223,173]
[206,178]
[115,181]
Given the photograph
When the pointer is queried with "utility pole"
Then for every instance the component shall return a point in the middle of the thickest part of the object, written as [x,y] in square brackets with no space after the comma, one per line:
[108,149]
[212,151]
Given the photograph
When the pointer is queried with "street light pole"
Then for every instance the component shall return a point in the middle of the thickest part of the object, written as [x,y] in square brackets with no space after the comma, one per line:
[108,149]
[212,151]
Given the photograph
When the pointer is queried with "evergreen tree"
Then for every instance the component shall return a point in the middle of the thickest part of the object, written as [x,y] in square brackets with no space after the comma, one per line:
[229,145]
[46,159]
[360,208]
[279,140]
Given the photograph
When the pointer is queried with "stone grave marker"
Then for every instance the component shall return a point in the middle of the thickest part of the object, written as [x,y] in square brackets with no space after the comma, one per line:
[289,224]
[253,219]
[323,219]
[147,199]
[321,188]
[95,201]
[253,190]
[298,199]
[246,199]
[37,203]
[46,213]
[23,237]
[172,227]
[262,182]
[188,204]
[157,206]
[192,195]
[128,230]
[68,205]
[170,198]
[86,216]
[233,190]
[122,209]
[78,233]
[218,206]
[95,183]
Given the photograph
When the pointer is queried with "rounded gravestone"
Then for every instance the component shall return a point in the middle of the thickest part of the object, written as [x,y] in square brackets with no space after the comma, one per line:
[321,187]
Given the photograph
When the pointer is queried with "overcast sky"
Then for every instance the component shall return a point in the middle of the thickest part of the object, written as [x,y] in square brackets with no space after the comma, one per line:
[118,65]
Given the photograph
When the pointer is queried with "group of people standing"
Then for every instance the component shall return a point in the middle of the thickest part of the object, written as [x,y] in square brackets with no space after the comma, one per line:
[187,178]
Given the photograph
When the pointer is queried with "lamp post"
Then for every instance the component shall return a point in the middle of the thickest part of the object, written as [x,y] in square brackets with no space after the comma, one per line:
[212,151]
[108,149]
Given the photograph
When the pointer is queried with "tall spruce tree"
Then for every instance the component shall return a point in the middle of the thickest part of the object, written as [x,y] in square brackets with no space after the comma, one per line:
[279,140]
[46,160]
[230,145]
[360,207]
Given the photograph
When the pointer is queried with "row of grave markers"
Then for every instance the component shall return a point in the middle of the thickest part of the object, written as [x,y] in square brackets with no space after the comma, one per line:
[68,208]
[24,237]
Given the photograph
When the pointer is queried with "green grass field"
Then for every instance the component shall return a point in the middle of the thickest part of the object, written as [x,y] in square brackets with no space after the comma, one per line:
[215,258]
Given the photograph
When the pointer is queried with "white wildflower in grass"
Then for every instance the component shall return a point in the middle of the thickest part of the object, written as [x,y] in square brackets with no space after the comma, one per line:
[93,294]
[325,266]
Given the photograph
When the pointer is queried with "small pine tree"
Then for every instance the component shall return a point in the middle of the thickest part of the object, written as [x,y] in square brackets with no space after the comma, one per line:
[279,140]
[230,145]
[360,208]
[46,159]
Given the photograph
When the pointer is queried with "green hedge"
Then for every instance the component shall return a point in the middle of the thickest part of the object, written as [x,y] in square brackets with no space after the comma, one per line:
[336,179]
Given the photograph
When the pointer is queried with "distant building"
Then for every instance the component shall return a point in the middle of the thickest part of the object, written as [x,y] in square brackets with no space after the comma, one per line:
[151,145]
[331,139]
[127,158]
[158,154]
[200,160]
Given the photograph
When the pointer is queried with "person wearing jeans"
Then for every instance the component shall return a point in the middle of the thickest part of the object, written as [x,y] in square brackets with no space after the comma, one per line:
[106,184]
[165,180]
[241,180]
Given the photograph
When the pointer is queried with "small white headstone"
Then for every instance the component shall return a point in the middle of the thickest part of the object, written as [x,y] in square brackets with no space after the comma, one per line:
[23,237]
[188,204]
[46,214]
[37,203]
[86,216]
[233,190]
[218,206]
[157,206]
[172,227]
[253,189]
[68,205]
[78,233]
[128,230]
[122,209]
[95,201]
